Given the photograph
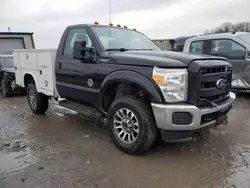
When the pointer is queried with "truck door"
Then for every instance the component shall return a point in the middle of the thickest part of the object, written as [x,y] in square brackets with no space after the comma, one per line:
[235,53]
[75,79]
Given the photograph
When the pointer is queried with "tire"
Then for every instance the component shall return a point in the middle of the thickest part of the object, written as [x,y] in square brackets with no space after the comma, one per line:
[5,89]
[141,135]
[38,102]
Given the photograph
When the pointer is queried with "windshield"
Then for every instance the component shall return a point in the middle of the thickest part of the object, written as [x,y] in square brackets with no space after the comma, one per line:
[245,38]
[118,38]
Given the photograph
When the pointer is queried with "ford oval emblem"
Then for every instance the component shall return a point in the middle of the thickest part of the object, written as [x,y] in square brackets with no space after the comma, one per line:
[221,83]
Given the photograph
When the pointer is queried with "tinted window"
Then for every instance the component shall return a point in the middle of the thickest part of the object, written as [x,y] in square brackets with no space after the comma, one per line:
[228,49]
[196,47]
[77,34]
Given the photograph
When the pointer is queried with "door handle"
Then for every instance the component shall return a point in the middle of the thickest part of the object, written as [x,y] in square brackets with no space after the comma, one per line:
[41,72]
[15,68]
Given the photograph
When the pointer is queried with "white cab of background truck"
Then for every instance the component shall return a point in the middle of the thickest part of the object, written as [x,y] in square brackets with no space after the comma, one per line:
[40,64]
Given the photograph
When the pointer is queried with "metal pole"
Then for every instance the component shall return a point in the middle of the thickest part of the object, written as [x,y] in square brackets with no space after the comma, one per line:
[109,19]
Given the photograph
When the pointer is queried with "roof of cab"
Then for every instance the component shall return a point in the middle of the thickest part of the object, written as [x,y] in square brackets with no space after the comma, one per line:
[219,35]
[97,25]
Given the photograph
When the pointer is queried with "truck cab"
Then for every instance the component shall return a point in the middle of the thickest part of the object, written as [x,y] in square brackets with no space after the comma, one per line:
[76,77]
[234,46]
[121,76]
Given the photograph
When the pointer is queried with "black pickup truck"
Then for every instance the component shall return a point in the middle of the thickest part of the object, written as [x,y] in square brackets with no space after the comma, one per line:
[121,75]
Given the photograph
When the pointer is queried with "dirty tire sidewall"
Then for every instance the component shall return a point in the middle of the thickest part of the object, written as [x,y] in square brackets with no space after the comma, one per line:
[41,100]
[147,127]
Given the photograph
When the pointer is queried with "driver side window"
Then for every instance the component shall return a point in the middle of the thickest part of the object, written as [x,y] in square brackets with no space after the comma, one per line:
[76,34]
[228,48]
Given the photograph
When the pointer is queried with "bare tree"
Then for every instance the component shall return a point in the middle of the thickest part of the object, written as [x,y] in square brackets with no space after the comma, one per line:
[242,26]
[229,27]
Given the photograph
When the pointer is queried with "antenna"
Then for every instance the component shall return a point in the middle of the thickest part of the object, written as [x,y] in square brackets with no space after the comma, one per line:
[109,11]
[109,19]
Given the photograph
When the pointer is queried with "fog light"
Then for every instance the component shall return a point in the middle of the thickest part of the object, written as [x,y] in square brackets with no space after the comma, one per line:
[182,118]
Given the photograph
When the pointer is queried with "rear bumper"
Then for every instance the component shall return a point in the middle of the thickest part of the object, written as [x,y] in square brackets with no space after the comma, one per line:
[164,114]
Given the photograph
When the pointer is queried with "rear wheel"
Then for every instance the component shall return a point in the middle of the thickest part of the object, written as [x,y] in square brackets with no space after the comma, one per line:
[132,125]
[38,102]
[5,89]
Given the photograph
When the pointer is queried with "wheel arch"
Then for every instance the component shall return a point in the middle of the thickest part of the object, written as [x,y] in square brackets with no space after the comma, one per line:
[129,77]
[29,77]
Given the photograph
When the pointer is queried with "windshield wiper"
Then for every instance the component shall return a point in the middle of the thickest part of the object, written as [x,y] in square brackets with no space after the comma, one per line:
[127,49]
[118,49]
[144,49]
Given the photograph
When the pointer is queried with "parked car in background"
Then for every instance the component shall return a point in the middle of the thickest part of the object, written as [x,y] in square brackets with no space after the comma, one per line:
[7,74]
[233,46]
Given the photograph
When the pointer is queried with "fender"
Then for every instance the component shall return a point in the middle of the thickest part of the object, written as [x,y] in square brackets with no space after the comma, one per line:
[33,76]
[125,76]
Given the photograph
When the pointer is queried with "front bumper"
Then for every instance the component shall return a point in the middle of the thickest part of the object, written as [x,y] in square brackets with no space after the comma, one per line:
[164,114]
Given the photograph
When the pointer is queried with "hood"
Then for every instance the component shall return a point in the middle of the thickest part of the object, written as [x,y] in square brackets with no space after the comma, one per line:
[157,58]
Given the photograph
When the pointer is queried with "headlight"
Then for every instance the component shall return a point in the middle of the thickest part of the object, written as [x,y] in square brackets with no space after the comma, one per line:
[173,83]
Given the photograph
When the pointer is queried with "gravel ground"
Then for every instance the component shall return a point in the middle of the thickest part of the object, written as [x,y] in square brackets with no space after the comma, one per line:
[64,149]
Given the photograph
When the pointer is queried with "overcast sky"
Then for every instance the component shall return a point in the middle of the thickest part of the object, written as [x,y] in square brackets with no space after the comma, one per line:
[156,18]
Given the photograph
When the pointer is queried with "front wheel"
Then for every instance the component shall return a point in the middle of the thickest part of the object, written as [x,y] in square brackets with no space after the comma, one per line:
[132,125]
[38,102]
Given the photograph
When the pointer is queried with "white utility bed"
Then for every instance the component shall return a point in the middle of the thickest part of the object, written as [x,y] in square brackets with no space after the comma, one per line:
[40,64]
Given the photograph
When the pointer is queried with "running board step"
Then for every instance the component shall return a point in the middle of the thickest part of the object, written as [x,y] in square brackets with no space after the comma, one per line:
[82,109]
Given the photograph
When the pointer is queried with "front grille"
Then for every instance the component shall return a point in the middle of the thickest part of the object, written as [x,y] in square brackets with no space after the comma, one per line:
[208,88]
[182,118]
[202,82]
[209,117]
[215,70]
[206,118]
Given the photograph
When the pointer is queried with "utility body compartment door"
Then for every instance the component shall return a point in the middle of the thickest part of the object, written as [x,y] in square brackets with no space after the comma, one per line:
[39,64]
[24,62]
[28,60]
[45,72]
[17,69]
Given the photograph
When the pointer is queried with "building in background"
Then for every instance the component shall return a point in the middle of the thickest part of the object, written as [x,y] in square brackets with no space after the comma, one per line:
[165,44]
[15,40]
[171,44]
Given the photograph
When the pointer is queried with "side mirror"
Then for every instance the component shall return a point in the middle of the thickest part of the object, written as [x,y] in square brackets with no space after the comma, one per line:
[248,54]
[79,50]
